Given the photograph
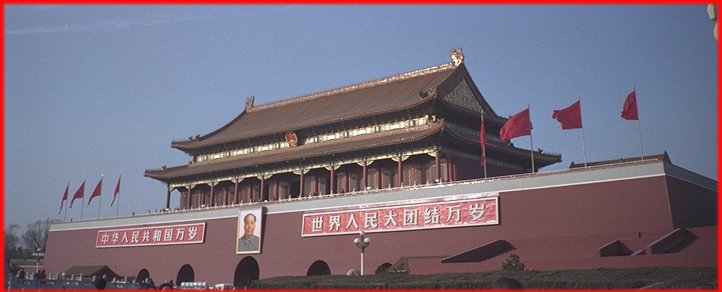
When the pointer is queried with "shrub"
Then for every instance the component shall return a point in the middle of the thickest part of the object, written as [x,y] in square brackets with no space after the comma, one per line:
[635,278]
[513,263]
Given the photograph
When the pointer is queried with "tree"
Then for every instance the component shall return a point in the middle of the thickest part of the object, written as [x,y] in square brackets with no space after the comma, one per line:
[36,236]
[13,249]
[513,263]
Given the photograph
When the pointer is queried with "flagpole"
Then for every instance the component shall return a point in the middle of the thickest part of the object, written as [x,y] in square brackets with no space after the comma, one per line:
[584,143]
[100,197]
[639,129]
[484,139]
[81,206]
[531,140]
[65,217]
[639,125]
[117,196]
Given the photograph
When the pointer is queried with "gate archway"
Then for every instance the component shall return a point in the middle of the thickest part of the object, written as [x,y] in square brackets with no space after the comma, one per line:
[143,275]
[383,268]
[246,271]
[185,274]
[318,268]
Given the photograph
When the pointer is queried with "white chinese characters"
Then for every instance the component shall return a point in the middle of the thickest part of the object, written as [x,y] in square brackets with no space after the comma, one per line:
[443,214]
[151,235]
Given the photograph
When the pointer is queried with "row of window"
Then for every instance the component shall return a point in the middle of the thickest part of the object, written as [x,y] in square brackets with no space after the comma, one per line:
[319,138]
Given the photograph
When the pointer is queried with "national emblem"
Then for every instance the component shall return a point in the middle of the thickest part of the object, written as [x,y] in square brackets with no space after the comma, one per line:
[292,139]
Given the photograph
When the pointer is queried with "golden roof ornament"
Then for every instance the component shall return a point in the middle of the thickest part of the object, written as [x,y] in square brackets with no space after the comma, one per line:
[457,57]
[249,103]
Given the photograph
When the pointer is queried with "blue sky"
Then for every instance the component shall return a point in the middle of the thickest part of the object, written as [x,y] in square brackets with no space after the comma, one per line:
[93,90]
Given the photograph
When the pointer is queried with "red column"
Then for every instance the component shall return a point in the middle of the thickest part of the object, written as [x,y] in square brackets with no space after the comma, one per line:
[263,189]
[315,185]
[453,171]
[412,176]
[250,193]
[189,204]
[448,169]
[400,173]
[347,181]
[225,196]
[438,165]
[333,181]
[379,181]
[277,192]
[235,191]
[365,175]
[302,185]
[167,198]
[213,196]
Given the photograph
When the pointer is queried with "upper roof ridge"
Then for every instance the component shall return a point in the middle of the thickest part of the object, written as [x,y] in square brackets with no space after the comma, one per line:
[361,85]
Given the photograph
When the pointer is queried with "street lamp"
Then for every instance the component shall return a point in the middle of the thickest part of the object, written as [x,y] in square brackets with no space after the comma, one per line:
[362,242]
[38,254]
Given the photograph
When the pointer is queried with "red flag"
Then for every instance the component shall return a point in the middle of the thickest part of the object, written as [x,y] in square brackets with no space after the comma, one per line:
[517,125]
[115,193]
[64,199]
[629,110]
[97,191]
[482,140]
[78,194]
[570,117]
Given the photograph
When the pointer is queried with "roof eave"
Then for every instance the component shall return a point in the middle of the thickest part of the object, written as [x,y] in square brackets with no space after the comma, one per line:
[163,174]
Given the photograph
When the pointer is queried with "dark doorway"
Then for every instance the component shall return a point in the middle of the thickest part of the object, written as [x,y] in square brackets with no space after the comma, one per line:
[185,274]
[246,271]
[318,268]
[143,275]
[294,188]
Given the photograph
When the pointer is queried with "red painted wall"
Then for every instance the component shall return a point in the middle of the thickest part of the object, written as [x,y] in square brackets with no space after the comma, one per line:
[564,222]
[692,206]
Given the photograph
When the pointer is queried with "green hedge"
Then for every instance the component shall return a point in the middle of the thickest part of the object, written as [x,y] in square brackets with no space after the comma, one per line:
[657,278]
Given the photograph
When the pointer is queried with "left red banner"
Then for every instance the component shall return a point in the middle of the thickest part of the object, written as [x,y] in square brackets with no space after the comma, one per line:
[152,235]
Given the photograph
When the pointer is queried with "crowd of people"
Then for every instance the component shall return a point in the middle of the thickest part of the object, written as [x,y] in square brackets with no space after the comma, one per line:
[38,279]
[39,275]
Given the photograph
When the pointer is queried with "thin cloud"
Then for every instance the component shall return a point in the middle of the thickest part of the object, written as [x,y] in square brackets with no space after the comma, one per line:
[120,24]
[99,26]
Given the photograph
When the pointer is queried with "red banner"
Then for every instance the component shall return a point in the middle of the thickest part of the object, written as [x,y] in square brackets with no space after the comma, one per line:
[444,214]
[152,235]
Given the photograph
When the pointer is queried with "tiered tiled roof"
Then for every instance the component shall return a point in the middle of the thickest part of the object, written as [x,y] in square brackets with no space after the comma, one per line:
[360,100]
[356,102]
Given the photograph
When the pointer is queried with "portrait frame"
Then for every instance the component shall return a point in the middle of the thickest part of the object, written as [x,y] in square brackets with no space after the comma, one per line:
[249,245]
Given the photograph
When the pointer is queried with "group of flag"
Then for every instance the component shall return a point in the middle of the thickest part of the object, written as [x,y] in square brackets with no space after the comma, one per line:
[80,193]
[517,125]
[569,118]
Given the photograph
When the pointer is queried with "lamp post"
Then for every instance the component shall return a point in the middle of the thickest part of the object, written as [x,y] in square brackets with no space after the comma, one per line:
[362,242]
[38,254]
